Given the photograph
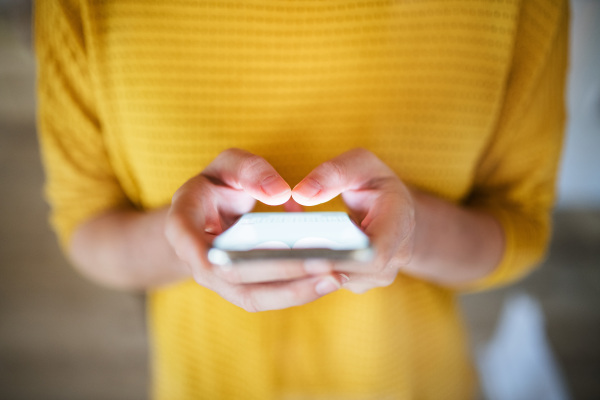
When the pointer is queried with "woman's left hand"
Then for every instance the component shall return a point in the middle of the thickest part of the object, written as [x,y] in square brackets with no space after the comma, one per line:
[378,201]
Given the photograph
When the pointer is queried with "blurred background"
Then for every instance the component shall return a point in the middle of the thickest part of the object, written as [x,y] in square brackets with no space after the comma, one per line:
[62,337]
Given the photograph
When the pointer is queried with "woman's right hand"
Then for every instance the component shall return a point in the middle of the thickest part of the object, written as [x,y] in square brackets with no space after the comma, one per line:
[208,204]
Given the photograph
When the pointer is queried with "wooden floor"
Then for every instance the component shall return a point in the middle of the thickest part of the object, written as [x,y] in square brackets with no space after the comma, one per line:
[61,337]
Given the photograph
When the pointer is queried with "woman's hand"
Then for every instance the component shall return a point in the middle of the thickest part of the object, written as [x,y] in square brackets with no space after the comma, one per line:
[411,231]
[208,204]
[378,202]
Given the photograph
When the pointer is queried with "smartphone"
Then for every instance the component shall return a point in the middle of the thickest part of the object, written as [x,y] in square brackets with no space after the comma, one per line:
[291,235]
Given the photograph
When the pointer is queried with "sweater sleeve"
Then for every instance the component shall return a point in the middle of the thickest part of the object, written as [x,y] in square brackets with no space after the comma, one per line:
[80,181]
[515,178]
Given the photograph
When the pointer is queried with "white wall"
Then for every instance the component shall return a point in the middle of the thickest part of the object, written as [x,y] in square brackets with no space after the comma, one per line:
[579,184]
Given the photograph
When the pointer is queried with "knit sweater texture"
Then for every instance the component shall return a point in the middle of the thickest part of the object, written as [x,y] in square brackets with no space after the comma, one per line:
[462,98]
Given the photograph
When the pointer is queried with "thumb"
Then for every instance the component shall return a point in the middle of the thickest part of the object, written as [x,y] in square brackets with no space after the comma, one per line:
[245,171]
[353,170]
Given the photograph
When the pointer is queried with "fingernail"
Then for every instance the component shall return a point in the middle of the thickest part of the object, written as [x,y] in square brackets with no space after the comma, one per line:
[326,286]
[308,188]
[344,278]
[274,185]
[317,266]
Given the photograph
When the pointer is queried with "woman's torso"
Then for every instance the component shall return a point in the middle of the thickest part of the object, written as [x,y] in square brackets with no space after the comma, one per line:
[418,83]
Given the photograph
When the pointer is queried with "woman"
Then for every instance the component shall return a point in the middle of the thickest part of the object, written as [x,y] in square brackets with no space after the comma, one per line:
[439,124]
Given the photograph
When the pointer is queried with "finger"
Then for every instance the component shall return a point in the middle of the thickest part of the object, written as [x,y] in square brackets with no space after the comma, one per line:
[390,225]
[272,270]
[353,170]
[196,201]
[280,295]
[383,250]
[245,171]
[292,206]
[357,283]
[360,283]
[190,243]
[359,287]
[389,221]
[364,270]
[192,223]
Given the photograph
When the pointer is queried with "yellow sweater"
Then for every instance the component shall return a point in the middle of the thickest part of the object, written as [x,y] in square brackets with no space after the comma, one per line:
[461,98]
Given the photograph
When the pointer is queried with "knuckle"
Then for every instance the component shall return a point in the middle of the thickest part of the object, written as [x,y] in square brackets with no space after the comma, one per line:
[379,268]
[360,151]
[187,246]
[247,301]
[396,262]
[370,158]
[358,288]
[200,276]
[402,257]
[178,193]
[364,154]
[252,167]
[409,225]
[294,293]
[284,274]
[292,272]
[251,162]
[387,280]
[175,226]
[333,169]
[231,275]
[231,152]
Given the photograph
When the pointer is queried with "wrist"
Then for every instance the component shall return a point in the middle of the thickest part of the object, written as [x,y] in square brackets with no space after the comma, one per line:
[177,268]
[453,244]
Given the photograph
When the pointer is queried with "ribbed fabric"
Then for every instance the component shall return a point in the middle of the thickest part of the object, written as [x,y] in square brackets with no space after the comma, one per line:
[461,98]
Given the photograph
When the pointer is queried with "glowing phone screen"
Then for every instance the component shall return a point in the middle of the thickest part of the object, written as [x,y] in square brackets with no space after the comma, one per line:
[301,230]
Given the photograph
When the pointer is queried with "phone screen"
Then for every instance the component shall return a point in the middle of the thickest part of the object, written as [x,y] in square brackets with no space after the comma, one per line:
[301,230]
[289,231]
